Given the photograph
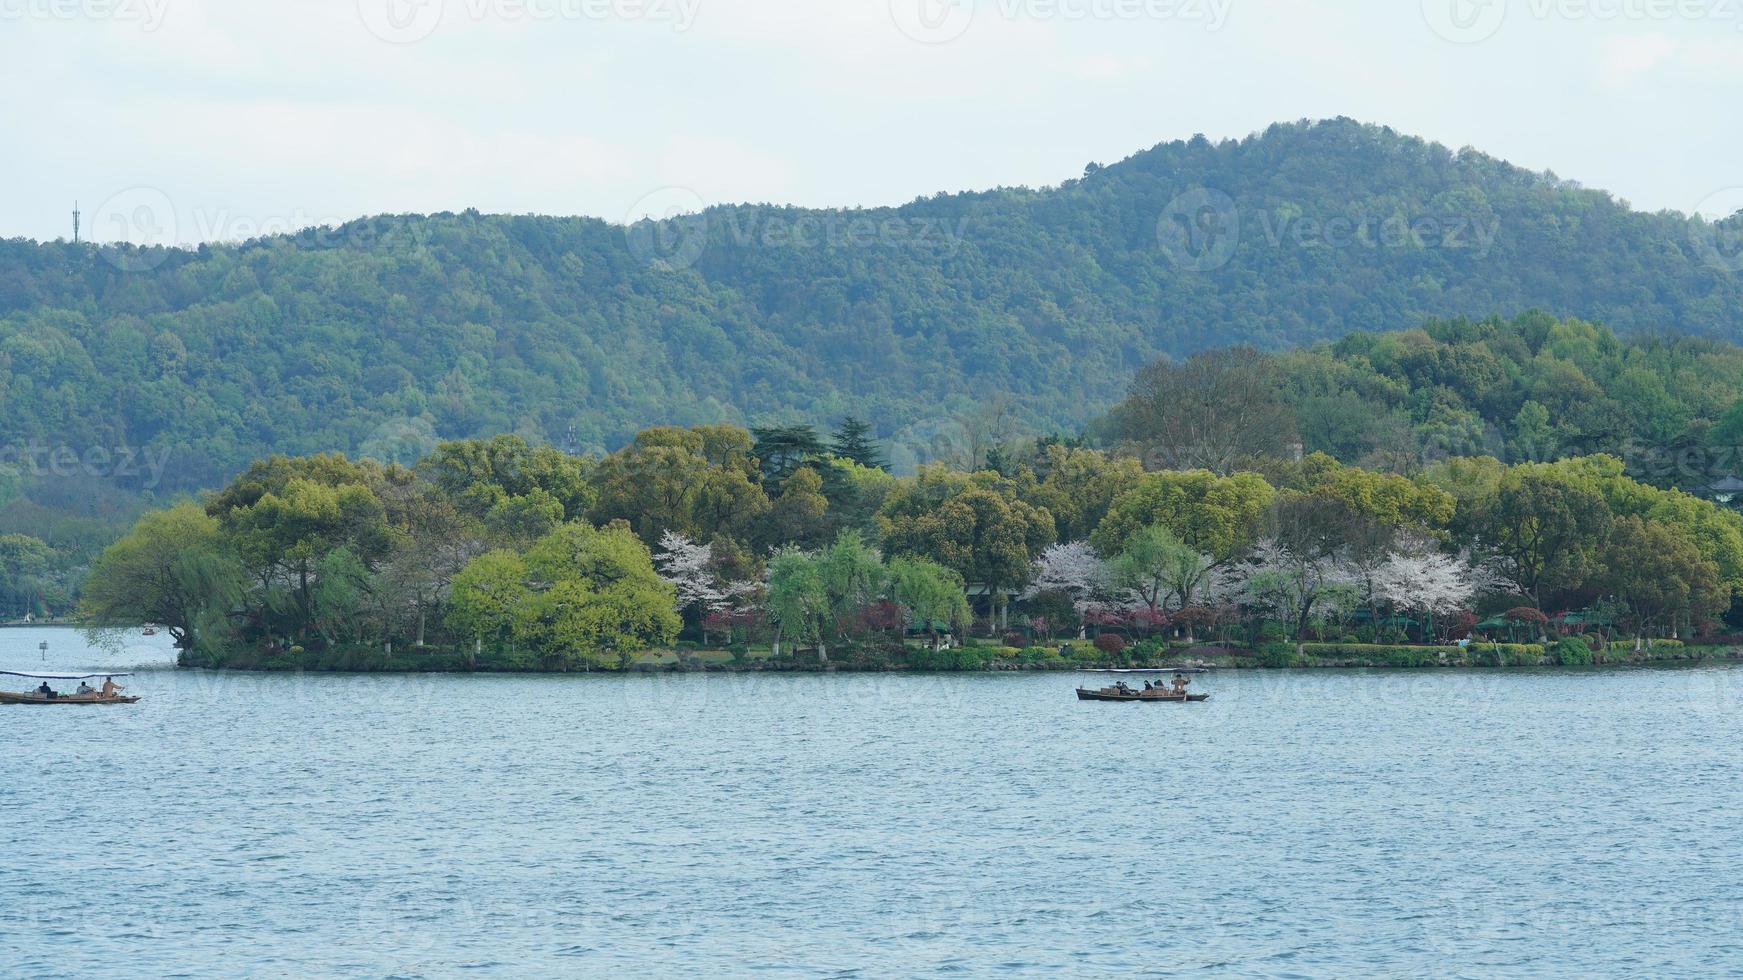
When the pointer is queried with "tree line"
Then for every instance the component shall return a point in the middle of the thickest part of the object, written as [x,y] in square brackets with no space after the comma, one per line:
[1533,388]
[525,557]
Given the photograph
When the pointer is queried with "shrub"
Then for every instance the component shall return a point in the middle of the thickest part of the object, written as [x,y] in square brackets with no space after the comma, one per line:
[1020,641]
[1507,654]
[1277,655]
[1368,649]
[1722,640]
[1150,649]
[1383,655]
[1573,652]
[962,659]
[1082,651]
[1664,644]
[926,658]
[1111,644]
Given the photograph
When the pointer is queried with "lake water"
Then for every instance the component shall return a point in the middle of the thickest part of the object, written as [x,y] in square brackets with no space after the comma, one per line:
[1298,824]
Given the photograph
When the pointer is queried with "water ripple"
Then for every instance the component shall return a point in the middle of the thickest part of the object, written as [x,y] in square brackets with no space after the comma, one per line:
[1311,824]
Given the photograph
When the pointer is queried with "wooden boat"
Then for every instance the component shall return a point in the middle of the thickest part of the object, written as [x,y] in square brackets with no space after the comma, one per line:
[1115,694]
[36,697]
[7,697]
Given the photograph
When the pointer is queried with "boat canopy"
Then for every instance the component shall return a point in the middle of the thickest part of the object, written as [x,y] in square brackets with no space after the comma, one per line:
[64,677]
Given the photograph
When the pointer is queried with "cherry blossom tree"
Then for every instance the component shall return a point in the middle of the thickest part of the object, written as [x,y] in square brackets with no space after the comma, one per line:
[1294,583]
[689,567]
[1422,579]
[1073,569]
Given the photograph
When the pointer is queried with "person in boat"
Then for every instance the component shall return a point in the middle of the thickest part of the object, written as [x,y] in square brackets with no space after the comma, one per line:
[46,691]
[85,688]
[110,688]
[1180,684]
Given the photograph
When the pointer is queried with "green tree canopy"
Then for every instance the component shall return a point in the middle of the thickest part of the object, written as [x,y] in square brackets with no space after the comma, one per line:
[172,568]
[1212,515]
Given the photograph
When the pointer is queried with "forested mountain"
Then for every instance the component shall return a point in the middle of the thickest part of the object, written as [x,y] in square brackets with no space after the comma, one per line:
[1533,388]
[388,334]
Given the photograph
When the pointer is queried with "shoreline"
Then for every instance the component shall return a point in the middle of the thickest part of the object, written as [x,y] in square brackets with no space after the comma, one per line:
[1229,665]
[973,659]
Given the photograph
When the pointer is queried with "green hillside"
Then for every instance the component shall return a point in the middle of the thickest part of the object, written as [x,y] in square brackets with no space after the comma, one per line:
[1532,388]
[573,331]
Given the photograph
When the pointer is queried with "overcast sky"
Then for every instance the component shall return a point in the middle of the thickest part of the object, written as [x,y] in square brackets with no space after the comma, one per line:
[237,116]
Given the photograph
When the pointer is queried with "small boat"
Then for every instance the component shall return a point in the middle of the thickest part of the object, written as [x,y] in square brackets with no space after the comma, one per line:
[54,697]
[1129,694]
[151,631]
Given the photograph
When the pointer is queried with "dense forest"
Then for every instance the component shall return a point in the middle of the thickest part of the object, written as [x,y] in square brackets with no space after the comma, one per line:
[1204,515]
[1665,414]
[391,333]
[130,376]
[1533,388]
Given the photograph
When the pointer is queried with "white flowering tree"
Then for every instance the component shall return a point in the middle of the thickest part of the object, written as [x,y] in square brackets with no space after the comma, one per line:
[1073,569]
[689,567]
[1293,585]
[1424,580]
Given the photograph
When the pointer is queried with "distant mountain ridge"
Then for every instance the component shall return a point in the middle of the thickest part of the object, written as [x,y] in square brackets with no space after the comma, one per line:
[388,333]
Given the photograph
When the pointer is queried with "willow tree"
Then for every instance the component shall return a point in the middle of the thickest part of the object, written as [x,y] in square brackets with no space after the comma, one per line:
[172,568]
[798,598]
[931,593]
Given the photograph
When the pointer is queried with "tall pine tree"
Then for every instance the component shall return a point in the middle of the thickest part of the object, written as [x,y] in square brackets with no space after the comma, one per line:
[853,440]
[783,449]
